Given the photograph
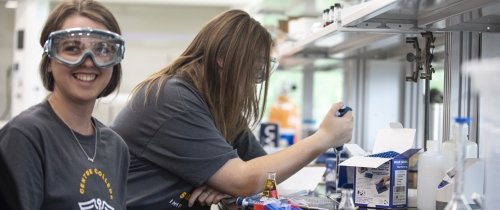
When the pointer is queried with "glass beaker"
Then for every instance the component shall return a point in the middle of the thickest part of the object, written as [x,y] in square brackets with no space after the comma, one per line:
[458,200]
[347,202]
[270,189]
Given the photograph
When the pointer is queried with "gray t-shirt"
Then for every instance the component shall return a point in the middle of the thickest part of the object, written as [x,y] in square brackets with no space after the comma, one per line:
[175,146]
[48,170]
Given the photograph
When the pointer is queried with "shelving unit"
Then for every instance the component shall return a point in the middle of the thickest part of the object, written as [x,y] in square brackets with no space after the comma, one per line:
[371,41]
[376,20]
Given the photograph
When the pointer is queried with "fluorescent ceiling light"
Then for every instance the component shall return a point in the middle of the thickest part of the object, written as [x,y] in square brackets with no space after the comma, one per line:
[184,2]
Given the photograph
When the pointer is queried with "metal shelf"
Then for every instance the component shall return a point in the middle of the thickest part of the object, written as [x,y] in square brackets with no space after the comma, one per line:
[377,20]
[302,44]
[362,12]
[344,31]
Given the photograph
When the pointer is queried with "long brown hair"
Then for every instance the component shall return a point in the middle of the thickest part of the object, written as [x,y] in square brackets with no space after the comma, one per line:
[86,8]
[222,62]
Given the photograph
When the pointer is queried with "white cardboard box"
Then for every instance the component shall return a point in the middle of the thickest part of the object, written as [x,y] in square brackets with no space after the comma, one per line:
[381,179]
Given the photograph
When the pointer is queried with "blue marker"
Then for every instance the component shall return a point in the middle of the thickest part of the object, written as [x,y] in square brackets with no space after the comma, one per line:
[248,202]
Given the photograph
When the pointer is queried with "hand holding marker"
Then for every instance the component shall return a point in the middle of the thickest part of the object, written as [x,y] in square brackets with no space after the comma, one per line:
[339,149]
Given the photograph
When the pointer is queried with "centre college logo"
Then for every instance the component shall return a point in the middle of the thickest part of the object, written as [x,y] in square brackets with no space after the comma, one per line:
[95,203]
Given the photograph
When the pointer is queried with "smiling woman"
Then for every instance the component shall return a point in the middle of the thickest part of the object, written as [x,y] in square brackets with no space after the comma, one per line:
[58,138]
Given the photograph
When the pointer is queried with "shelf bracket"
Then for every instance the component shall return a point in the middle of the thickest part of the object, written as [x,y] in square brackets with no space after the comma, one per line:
[428,55]
[422,58]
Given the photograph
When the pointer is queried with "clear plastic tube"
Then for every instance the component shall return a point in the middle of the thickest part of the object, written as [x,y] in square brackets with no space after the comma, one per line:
[458,200]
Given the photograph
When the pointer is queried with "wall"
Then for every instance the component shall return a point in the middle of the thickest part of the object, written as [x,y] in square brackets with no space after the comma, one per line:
[154,35]
[6,45]
[383,102]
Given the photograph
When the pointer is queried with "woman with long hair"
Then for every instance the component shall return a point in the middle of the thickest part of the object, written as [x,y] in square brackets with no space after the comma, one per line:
[188,125]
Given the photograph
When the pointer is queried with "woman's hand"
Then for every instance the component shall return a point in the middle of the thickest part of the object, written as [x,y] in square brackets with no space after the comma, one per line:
[335,131]
[206,196]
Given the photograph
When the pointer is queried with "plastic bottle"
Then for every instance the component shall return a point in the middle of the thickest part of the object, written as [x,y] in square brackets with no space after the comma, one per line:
[449,153]
[449,147]
[330,179]
[285,113]
[430,173]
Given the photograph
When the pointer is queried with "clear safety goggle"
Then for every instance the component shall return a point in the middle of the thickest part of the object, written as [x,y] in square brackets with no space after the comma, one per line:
[273,65]
[72,46]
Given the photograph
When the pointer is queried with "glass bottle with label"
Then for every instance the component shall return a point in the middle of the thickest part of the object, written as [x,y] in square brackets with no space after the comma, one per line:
[337,14]
[331,15]
[324,18]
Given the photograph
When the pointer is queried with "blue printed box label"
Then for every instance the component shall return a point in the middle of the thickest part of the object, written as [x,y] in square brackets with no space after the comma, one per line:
[399,194]
[372,185]
[382,187]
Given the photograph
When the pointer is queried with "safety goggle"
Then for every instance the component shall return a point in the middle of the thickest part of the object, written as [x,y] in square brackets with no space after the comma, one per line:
[273,65]
[72,46]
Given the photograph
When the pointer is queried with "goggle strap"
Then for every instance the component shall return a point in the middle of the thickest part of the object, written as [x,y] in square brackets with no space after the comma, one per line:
[46,46]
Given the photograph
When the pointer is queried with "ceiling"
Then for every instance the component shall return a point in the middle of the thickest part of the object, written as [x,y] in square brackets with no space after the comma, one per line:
[285,7]
[218,3]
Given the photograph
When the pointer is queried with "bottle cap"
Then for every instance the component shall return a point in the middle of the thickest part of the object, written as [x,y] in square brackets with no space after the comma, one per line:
[462,120]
